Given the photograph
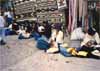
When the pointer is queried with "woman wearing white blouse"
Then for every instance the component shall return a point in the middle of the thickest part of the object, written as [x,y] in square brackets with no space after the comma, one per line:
[92,35]
[57,35]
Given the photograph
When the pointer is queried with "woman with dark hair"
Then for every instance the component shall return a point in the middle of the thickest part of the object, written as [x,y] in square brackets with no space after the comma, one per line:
[48,28]
[92,35]
[56,39]
[35,32]
[36,25]
[87,47]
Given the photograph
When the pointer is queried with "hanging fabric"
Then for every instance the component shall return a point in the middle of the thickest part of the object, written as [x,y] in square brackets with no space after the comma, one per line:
[72,15]
[85,16]
[75,7]
[77,12]
[80,9]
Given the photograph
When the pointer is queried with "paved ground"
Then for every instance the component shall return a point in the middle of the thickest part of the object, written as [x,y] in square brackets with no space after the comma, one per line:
[22,55]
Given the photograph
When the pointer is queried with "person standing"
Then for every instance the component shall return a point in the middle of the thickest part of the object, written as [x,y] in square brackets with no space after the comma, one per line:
[9,17]
[2,30]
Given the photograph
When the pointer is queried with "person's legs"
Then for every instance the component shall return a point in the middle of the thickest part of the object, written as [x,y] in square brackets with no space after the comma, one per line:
[64,52]
[2,35]
[42,44]
[36,35]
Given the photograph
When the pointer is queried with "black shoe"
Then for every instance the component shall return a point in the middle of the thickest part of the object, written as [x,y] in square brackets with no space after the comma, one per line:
[2,42]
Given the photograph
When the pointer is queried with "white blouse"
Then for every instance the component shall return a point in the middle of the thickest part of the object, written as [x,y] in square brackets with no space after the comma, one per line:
[88,38]
[57,37]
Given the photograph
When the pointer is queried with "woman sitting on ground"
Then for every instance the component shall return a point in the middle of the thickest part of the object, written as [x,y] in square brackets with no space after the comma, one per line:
[57,38]
[91,39]
[53,43]
[86,50]
[35,32]
[91,35]
[42,41]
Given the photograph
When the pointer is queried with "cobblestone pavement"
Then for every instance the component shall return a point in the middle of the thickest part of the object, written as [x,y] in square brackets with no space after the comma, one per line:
[15,51]
[22,55]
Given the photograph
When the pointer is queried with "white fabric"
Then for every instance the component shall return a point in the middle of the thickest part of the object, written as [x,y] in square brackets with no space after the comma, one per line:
[58,37]
[2,21]
[97,38]
[40,28]
[52,50]
[89,38]
[26,35]
[10,26]
[8,14]
[77,34]
[21,31]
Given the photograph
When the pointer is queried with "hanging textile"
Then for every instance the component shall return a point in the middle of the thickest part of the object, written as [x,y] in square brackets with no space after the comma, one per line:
[85,16]
[75,7]
[80,9]
[72,15]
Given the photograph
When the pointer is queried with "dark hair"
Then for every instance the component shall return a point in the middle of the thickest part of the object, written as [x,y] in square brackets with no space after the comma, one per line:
[91,31]
[57,26]
[29,29]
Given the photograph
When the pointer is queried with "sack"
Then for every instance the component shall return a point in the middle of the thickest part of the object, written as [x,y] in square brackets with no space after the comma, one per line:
[52,50]
[82,53]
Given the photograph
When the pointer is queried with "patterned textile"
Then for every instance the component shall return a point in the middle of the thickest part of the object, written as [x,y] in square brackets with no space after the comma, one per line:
[73,6]
[77,12]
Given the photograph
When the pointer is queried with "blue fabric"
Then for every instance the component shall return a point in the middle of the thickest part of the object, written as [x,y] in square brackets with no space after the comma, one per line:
[64,52]
[7,32]
[10,32]
[9,21]
[2,33]
[42,44]
[35,35]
